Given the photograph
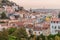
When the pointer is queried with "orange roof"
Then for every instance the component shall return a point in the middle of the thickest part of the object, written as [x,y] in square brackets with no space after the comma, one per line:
[29,26]
[35,13]
[46,25]
[55,19]
[20,23]
[37,28]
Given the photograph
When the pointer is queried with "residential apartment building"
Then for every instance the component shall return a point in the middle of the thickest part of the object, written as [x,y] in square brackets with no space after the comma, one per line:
[55,25]
[37,30]
[46,29]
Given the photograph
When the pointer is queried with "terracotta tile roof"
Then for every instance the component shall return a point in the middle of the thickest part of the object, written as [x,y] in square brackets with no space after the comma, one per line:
[29,20]
[29,26]
[20,23]
[35,13]
[39,24]
[55,19]
[37,28]
[46,26]
[5,24]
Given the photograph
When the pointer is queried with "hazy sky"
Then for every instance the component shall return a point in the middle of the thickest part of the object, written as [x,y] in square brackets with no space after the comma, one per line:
[55,4]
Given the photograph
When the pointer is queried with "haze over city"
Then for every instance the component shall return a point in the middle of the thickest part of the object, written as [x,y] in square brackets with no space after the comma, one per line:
[30,20]
[49,4]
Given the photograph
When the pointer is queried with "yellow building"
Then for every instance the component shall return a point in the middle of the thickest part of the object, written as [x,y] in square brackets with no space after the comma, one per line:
[47,18]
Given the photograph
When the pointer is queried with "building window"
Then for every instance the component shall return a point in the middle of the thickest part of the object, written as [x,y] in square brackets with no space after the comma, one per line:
[51,21]
[57,22]
[13,24]
[39,32]
[58,27]
[54,21]
[55,27]
[52,26]
[35,32]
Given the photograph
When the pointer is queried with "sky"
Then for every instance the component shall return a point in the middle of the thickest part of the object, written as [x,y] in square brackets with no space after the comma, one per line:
[34,4]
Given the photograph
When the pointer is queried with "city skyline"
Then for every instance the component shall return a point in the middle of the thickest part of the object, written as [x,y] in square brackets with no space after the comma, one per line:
[48,4]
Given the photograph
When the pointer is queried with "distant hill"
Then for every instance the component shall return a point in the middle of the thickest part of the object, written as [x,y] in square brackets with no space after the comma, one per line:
[46,10]
[6,2]
[9,3]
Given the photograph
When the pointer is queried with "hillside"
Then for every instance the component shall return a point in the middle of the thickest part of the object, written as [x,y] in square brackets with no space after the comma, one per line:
[9,3]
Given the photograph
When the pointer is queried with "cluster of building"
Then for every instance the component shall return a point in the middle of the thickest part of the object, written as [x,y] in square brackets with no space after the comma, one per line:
[35,22]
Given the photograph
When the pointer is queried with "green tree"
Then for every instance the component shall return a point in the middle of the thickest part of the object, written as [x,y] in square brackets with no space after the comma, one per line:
[12,37]
[11,30]
[51,36]
[58,34]
[56,37]
[40,39]
[3,16]
[20,33]
[46,38]
[4,34]
[1,35]
[42,36]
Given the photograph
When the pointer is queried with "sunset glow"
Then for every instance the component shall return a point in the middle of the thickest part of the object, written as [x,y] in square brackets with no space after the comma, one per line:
[39,3]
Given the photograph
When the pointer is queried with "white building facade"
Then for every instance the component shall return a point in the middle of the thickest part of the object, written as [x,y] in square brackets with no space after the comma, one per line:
[55,26]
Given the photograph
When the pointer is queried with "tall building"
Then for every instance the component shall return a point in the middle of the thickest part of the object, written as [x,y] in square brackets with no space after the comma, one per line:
[55,26]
